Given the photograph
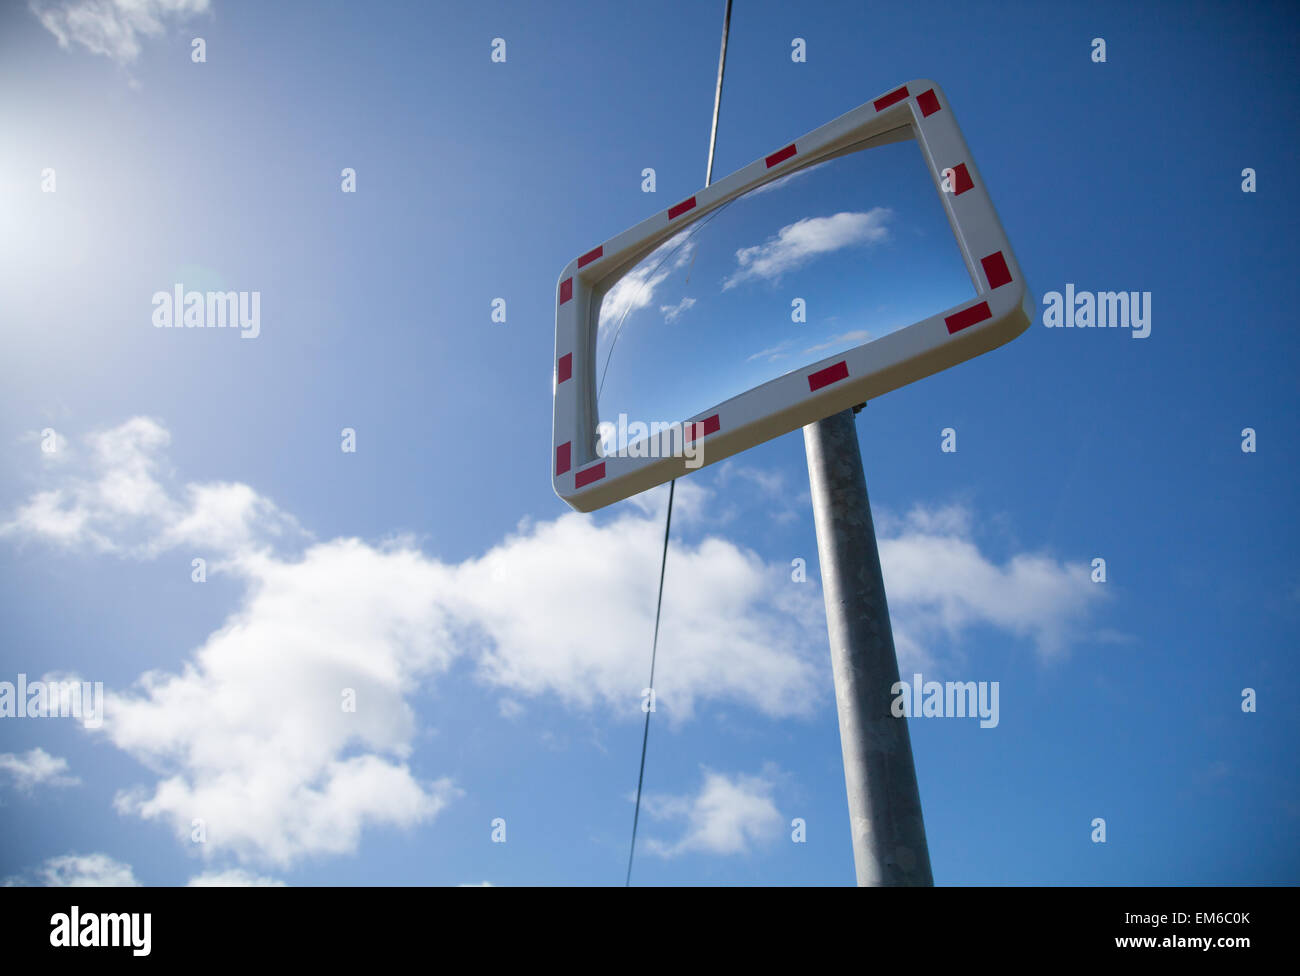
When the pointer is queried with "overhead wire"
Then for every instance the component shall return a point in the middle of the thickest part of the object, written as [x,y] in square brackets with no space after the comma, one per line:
[672,485]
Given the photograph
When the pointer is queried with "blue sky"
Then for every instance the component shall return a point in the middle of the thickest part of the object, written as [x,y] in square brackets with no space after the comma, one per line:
[497,642]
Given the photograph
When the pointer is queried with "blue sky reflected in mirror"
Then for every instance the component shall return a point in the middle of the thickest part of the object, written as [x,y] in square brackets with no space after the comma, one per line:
[862,239]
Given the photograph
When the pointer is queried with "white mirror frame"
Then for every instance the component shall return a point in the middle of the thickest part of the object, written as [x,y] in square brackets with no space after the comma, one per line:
[1001,309]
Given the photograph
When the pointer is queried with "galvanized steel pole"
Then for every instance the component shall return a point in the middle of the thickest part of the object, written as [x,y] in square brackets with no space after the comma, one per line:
[889,846]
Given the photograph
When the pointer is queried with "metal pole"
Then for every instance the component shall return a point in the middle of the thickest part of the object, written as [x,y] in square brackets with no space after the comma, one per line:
[888,830]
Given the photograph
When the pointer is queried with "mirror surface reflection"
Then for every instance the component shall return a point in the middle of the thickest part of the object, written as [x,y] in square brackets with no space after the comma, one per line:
[812,264]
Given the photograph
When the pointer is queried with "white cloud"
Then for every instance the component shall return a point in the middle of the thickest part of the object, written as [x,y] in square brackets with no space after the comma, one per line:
[509,708]
[252,736]
[232,878]
[124,503]
[693,502]
[770,483]
[249,734]
[950,519]
[733,626]
[114,28]
[796,244]
[741,486]
[729,815]
[772,353]
[673,312]
[940,585]
[35,767]
[78,871]
[636,289]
